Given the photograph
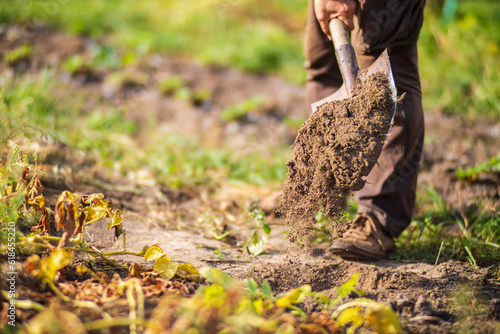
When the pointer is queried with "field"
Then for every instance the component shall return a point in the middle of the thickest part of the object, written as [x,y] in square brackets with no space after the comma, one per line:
[160,130]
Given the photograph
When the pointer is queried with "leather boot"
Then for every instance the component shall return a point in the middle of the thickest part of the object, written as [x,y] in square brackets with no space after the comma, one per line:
[365,239]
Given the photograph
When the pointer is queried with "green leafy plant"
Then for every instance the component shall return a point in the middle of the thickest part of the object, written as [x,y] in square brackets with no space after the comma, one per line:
[102,57]
[201,96]
[255,244]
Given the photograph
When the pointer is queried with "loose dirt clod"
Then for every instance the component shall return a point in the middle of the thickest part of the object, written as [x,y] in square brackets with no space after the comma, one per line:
[334,149]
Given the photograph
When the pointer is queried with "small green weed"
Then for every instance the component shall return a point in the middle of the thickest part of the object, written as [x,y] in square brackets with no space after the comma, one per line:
[102,57]
[175,86]
[127,79]
[240,110]
[76,64]
[170,85]
[322,229]
[473,173]
[108,57]
[254,244]
[19,54]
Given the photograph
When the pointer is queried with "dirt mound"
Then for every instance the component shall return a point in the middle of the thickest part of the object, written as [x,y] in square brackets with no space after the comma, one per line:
[334,149]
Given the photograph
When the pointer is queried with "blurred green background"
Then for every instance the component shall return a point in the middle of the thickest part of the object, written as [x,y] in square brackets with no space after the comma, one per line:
[459,43]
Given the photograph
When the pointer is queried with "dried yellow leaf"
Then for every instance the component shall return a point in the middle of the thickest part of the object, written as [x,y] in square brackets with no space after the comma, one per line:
[294,296]
[136,270]
[153,253]
[189,269]
[116,219]
[165,268]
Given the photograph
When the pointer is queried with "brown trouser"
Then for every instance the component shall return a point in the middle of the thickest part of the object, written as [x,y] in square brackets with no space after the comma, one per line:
[389,193]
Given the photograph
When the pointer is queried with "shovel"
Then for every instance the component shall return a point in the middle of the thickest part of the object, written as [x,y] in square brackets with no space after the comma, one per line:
[349,67]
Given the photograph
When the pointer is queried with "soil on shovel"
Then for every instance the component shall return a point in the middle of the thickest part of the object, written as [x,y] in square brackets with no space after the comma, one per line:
[334,149]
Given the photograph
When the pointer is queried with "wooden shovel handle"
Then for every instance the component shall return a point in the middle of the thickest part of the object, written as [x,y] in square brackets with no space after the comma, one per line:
[344,52]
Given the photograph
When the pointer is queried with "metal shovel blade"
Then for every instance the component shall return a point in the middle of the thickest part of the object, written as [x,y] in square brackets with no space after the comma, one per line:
[382,65]
[349,67]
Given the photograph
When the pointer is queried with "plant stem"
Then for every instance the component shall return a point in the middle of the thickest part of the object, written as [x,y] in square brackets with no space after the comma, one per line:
[58,292]
[93,306]
[24,304]
[37,244]
[124,238]
[223,235]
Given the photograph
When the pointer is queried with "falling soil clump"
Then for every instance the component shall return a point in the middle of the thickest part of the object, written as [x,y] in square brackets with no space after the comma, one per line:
[334,149]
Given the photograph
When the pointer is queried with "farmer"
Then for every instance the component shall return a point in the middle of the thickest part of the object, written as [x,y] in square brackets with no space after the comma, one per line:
[386,202]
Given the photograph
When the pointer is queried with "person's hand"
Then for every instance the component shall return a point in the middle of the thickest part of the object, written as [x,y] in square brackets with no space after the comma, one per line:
[326,10]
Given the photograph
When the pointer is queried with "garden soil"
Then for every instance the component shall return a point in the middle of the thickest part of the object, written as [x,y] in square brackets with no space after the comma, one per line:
[334,149]
[448,297]
[427,298]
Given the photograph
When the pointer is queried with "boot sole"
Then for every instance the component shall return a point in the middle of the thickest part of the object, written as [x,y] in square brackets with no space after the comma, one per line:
[353,253]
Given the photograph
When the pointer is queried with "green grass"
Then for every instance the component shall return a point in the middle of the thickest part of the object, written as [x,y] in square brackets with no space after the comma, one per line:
[438,234]
[235,33]
[26,105]
[459,61]
[34,110]
[179,160]
[34,107]
[459,56]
